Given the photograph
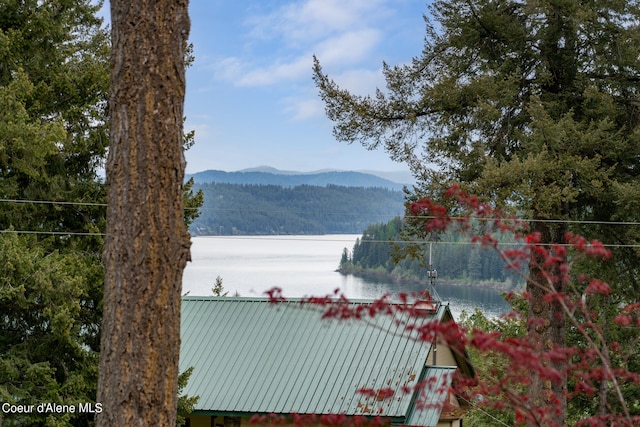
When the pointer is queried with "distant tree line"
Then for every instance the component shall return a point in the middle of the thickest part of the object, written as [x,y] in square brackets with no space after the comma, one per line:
[293,179]
[306,209]
[381,251]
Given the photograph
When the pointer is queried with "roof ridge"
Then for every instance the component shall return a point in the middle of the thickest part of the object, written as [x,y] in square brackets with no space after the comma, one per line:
[293,299]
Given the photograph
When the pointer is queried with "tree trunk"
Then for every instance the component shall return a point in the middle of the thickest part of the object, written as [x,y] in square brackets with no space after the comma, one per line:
[546,324]
[147,244]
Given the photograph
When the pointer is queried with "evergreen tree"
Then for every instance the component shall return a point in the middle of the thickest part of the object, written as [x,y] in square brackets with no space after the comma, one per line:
[53,85]
[474,264]
[345,260]
[529,104]
[54,78]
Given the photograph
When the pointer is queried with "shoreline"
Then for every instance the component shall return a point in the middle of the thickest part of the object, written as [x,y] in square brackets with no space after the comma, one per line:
[403,280]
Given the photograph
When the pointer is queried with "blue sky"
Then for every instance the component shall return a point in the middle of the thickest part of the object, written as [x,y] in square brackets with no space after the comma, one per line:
[250,97]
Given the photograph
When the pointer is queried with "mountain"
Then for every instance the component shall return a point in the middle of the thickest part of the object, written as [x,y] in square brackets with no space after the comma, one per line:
[269,169]
[247,209]
[265,175]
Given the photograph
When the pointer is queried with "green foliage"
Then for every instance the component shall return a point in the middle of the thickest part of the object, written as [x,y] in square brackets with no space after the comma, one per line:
[45,327]
[525,102]
[490,365]
[53,88]
[192,202]
[382,248]
[345,260]
[54,78]
[53,84]
[218,288]
[305,209]
[532,106]
[186,404]
[374,249]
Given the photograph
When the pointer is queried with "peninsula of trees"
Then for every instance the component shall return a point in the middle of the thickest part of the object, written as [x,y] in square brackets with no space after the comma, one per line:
[381,252]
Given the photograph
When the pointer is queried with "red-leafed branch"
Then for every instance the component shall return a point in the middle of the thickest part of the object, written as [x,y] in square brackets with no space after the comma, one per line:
[587,366]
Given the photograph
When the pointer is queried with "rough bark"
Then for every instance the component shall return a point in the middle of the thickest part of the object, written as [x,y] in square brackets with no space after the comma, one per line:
[147,244]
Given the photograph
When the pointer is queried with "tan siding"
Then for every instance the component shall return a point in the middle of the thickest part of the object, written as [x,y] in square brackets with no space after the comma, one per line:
[444,356]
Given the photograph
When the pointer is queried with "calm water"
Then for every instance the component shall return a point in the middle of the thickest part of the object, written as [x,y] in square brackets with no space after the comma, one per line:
[302,266]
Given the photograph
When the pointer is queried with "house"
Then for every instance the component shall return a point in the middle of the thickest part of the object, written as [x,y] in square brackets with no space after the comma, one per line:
[253,357]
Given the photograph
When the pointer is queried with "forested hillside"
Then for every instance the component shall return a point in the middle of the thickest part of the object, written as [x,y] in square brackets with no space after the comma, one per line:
[292,179]
[305,209]
[379,252]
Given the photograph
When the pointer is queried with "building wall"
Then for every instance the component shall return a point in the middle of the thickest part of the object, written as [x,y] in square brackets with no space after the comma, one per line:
[443,356]
[213,421]
[210,421]
[200,421]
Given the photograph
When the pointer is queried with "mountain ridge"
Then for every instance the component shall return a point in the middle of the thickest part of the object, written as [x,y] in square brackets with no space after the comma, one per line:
[266,175]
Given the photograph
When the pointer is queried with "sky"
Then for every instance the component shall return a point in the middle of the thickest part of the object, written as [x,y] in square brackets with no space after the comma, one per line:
[250,96]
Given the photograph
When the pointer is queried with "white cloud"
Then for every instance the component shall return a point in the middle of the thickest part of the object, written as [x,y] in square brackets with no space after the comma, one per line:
[310,106]
[276,73]
[281,42]
[360,81]
[228,68]
[348,47]
[312,20]
[278,50]
[342,50]
[303,109]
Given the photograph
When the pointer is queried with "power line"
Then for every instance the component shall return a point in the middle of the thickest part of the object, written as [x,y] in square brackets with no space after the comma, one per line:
[53,233]
[53,202]
[551,221]
[483,411]
[284,237]
[59,202]
[426,217]
[300,212]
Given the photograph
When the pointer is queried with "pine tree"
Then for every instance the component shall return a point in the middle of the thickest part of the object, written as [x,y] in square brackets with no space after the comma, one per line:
[147,243]
[529,104]
[53,86]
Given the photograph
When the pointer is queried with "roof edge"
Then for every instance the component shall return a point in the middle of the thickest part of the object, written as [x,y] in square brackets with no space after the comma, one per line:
[443,307]
[411,410]
[200,412]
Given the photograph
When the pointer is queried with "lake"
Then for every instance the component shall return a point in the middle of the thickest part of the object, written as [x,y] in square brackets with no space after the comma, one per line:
[303,266]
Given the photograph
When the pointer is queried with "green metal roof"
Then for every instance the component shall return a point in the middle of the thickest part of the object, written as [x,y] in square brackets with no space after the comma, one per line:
[251,356]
